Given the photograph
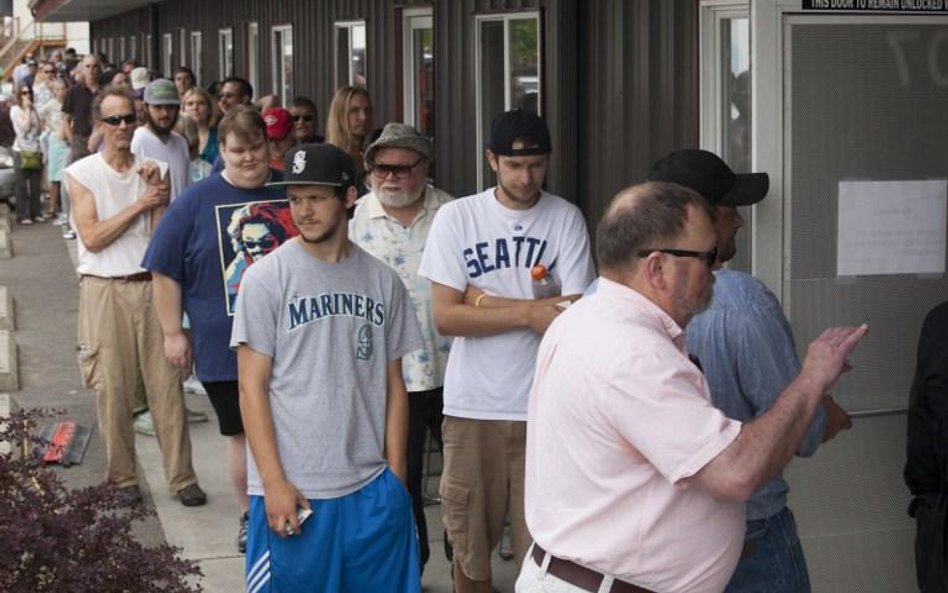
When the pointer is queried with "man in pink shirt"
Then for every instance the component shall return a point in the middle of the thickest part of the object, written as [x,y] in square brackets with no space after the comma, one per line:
[634,481]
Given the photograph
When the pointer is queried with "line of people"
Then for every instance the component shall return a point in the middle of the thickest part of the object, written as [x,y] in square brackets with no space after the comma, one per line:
[328,341]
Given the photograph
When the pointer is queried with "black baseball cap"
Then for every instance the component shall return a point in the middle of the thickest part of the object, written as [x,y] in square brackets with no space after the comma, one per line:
[708,175]
[317,164]
[517,123]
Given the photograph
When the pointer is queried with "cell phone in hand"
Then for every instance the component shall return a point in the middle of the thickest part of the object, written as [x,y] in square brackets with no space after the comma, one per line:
[301,516]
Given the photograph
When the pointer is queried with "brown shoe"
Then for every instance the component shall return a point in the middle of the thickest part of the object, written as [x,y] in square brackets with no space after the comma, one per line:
[130,495]
[192,496]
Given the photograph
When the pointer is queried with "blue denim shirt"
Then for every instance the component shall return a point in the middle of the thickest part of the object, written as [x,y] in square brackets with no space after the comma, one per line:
[746,349]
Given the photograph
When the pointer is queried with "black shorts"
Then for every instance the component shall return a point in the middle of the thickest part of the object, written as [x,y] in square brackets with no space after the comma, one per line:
[225,397]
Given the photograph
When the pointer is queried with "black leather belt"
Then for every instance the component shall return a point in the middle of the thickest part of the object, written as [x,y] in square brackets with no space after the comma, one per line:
[139,277]
[580,576]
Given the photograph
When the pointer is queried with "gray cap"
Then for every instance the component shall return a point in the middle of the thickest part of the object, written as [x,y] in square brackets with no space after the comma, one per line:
[396,135]
[162,92]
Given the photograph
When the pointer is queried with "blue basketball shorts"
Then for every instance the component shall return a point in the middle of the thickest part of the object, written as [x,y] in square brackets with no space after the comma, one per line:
[362,542]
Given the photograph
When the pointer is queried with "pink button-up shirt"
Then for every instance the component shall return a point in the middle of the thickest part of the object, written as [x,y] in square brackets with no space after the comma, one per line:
[618,417]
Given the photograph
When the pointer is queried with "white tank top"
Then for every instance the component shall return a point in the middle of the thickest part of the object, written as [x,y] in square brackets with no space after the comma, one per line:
[113,192]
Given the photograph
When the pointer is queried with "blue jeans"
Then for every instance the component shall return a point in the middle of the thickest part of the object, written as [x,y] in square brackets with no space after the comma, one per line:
[773,559]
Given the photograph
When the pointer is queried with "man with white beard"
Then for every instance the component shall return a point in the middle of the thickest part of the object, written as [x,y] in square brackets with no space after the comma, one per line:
[392,223]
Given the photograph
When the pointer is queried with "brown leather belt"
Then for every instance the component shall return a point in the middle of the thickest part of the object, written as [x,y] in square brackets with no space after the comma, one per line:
[580,576]
[139,277]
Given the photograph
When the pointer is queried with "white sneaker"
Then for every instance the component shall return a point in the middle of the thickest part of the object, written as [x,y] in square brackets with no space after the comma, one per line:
[192,385]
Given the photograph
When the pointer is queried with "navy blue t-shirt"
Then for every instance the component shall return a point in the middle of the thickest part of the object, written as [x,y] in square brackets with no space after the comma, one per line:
[206,240]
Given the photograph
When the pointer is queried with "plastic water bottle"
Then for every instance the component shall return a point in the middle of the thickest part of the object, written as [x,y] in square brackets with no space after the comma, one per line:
[544,285]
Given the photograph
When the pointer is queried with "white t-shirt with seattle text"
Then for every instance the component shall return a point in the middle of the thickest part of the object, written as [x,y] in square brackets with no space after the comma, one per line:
[477,241]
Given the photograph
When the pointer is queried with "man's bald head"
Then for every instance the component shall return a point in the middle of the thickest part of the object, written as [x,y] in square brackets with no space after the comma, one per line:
[643,216]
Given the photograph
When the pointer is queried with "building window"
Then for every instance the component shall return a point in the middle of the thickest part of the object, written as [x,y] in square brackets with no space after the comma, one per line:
[182,49]
[418,70]
[507,72]
[110,50]
[197,60]
[253,56]
[725,106]
[350,54]
[147,54]
[123,52]
[133,45]
[225,52]
[282,43]
[167,49]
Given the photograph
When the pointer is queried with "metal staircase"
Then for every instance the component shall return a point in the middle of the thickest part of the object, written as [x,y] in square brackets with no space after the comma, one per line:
[36,38]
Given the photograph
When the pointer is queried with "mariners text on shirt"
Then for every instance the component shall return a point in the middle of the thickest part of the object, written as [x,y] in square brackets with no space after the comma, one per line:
[305,309]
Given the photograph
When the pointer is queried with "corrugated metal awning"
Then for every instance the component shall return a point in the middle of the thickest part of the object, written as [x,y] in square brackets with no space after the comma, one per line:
[82,10]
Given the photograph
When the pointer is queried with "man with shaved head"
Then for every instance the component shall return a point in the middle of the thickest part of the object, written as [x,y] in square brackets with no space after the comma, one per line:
[635,482]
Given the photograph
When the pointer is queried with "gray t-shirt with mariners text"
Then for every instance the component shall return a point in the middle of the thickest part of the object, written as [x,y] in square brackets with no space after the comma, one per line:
[330,330]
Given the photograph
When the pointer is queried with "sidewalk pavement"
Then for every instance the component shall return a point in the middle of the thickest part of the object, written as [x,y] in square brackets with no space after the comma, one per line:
[43,282]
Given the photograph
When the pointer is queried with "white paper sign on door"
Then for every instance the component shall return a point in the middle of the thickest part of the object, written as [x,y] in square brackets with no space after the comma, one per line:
[891,227]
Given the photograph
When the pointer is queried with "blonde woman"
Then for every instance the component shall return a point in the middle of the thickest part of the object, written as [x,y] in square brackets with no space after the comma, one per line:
[197,105]
[187,127]
[349,122]
[57,151]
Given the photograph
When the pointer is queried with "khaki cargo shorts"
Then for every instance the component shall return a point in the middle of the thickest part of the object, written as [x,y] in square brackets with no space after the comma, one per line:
[481,485]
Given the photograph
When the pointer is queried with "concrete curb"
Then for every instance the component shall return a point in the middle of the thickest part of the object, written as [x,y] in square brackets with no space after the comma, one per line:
[9,372]
[8,405]
[7,312]
[6,216]
[6,244]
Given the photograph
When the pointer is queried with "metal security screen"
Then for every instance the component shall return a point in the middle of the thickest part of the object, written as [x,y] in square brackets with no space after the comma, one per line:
[867,101]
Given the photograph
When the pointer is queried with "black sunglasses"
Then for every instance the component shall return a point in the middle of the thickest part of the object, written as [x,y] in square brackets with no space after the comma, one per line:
[114,120]
[708,257]
[302,117]
[382,171]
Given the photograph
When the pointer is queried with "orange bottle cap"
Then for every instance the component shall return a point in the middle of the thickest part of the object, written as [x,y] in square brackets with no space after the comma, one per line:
[538,272]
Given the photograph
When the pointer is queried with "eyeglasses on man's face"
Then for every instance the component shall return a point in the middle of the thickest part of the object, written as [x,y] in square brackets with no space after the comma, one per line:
[708,257]
[382,170]
[300,116]
[115,120]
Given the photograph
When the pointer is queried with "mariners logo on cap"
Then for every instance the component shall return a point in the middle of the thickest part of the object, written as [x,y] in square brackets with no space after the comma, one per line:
[299,162]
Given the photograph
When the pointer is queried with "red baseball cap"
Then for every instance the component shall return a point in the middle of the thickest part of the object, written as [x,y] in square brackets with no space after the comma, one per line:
[279,122]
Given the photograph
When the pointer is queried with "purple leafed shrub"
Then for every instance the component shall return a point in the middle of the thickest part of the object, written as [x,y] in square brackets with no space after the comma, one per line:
[56,539]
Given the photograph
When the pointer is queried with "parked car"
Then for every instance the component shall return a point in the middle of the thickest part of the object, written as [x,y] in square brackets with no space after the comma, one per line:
[7,177]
